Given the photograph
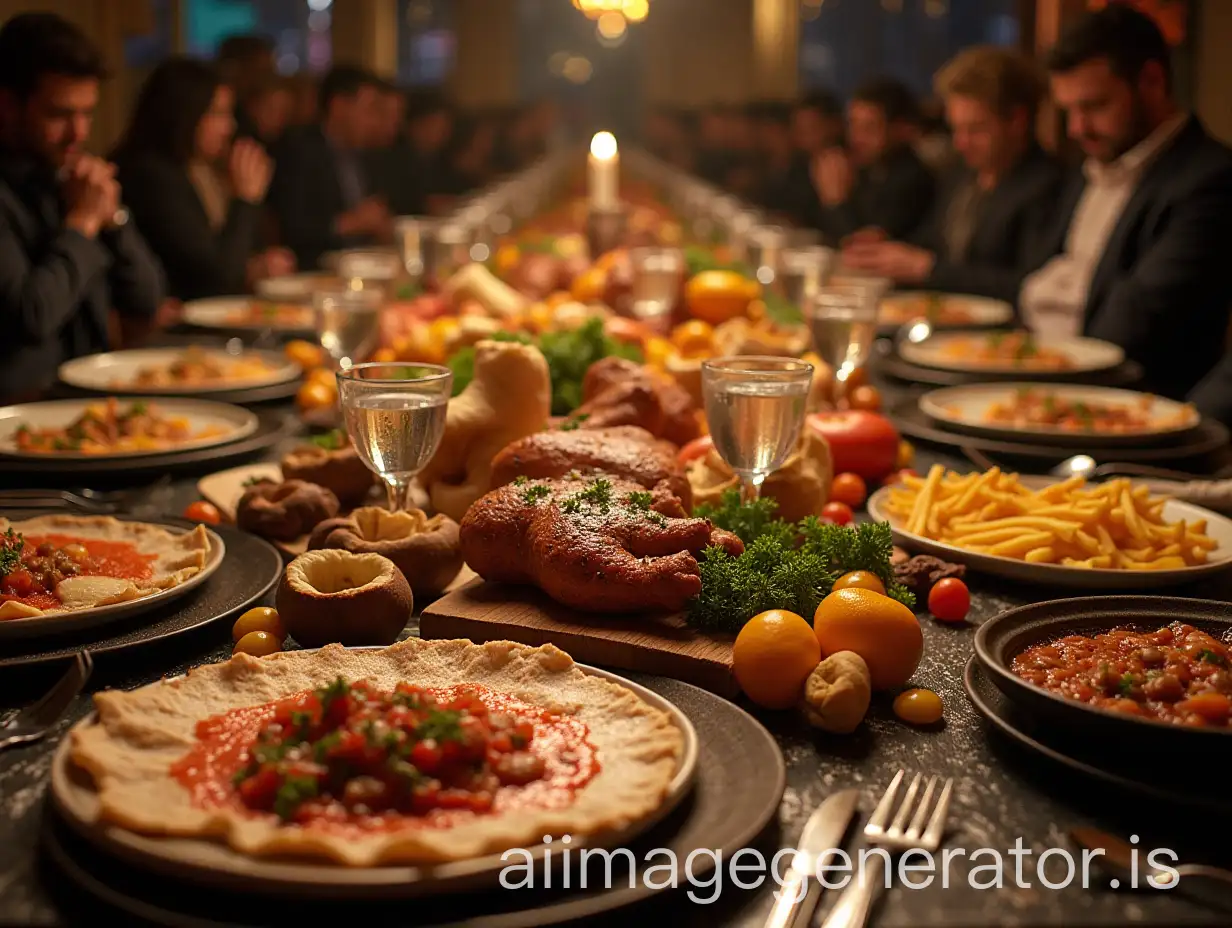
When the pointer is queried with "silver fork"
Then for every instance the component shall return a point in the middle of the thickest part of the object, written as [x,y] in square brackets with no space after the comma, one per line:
[34,721]
[924,833]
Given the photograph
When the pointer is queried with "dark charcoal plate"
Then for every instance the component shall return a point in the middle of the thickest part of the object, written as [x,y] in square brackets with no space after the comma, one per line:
[1005,636]
[1208,436]
[1165,782]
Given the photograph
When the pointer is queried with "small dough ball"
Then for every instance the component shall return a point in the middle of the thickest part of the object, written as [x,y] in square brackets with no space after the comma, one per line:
[837,693]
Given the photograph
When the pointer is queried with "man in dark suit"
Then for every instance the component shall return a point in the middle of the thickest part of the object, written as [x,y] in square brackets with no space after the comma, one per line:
[1141,256]
[247,62]
[879,184]
[320,194]
[987,223]
[391,161]
[68,255]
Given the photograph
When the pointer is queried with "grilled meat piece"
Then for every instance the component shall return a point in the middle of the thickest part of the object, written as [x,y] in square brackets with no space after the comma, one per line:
[598,544]
[616,391]
[622,451]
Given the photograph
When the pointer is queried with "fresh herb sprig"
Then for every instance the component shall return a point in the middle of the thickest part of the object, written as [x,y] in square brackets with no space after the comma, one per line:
[785,565]
[11,546]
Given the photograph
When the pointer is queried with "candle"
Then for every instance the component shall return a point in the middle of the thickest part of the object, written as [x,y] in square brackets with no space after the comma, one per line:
[604,171]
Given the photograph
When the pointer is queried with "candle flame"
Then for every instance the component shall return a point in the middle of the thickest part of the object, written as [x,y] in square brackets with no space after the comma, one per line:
[603,146]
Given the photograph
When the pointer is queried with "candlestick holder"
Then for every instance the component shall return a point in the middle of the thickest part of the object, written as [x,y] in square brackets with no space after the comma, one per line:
[605,229]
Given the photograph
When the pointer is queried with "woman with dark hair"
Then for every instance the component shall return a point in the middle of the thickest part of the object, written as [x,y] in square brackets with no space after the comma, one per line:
[195,196]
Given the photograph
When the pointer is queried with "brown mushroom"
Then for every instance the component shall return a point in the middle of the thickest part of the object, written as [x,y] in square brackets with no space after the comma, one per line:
[426,550]
[284,511]
[354,599]
[341,471]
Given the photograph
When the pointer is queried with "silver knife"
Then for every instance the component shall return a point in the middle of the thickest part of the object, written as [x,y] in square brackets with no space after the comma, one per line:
[823,832]
[1211,885]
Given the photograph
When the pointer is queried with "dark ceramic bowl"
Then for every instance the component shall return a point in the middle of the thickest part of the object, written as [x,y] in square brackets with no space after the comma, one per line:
[999,640]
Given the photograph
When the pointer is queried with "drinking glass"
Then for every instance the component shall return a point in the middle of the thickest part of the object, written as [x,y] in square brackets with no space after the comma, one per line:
[657,275]
[765,247]
[803,271]
[395,417]
[412,236]
[843,320]
[348,323]
[755,408]
[369,269]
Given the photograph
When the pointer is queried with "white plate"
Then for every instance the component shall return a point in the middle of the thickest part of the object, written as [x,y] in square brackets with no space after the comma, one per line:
[963,408]
[1085,578]
[978,311]
[295,288]
[213,862]
[39,626]
[1085,355]
[117,370]
[201,414]
[229,312]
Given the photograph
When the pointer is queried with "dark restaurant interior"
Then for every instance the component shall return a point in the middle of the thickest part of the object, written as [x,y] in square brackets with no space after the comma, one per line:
[502,463]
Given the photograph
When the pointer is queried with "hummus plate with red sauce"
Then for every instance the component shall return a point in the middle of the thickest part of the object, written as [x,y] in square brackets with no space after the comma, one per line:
[388,768]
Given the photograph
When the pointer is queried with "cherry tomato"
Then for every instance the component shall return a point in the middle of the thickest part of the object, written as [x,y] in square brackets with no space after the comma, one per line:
[860,579]
[849,489]
[201,511]
[949,600]
[918,707]
[864,397]
[259,619]
[899,476]
[864,443]
[258,644]
[838,513]
[697,448]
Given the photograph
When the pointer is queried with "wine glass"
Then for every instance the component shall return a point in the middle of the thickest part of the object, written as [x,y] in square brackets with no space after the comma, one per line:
[755,408]
[657,274]
[843,320]
[369,269]
[348,323]
[803,271]
[395,417]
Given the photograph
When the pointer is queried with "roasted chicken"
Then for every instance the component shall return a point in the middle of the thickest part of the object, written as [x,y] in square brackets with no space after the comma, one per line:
[598,544]
[621,451]
[617,391]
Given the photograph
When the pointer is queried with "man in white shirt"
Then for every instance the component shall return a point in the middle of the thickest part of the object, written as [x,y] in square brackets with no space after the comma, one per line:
[1140,258]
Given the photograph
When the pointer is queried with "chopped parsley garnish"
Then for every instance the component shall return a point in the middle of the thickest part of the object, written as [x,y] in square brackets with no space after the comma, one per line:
[334,440]
[521,480]
[441,725]
[574,422]
[640,500]
[532,495]
[294,791]
[1207,656]
[11,546]
[1127,683]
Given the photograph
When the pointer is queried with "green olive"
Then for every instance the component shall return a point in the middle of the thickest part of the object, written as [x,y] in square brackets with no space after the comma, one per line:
[259,619]
[258,644]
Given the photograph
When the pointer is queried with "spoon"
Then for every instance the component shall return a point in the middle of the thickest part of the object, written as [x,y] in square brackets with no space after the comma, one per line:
[1133,866]
[1085,466]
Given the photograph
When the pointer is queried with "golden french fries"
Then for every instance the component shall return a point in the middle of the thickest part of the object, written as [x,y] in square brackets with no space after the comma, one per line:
[1113,525]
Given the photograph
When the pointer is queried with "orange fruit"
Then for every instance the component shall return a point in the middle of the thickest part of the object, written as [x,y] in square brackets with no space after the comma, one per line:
[657,350]
[558,298]
[773,656]
[693,339]
[589,286]
[717,296]
[315,394]
[507,257]
[539,317]
[384,356]
[421,344]
[322,375]
[881,630]
[305,354]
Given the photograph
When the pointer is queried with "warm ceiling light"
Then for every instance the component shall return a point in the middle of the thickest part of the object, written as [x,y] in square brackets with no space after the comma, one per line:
[603,146]
[636,10]
[612,25]
[577,70]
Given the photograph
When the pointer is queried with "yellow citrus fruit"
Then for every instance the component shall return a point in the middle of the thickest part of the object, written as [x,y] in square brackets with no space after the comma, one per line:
[259,619]
[315,394]
[773,656]
[918,707]
[558,298]
[507,257]
[694,339]
[305,354]
[539,317]
[258,644]
[881,630]
[716,296]
[658,349]
[589,286]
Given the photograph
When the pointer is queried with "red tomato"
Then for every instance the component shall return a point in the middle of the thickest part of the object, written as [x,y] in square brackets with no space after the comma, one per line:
[201,511]
[863,443]
[949,600]
[838,513]
[849,489]
[697,448]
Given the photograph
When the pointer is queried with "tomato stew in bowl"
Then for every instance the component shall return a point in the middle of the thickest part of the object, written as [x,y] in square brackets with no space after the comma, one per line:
[1142,671]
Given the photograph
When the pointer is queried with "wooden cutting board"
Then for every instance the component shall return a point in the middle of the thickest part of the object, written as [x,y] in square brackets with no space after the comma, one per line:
[662,645]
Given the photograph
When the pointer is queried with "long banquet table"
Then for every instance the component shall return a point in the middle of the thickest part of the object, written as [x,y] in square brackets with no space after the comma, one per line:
[1002,794]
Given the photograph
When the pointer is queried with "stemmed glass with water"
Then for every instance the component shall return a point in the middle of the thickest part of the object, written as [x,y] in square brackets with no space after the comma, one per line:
[843,320]
[348,323]
[657,276]
[395,417]
[755,408]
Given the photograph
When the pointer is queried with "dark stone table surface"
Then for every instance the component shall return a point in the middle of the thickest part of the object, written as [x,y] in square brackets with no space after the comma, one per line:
[1001,795]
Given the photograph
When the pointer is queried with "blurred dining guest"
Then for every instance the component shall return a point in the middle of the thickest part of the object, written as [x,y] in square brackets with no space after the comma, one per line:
[1139,257]
[715,154]
[390,159]
[816,125]
[933,141]
[246,61]
[305,99]
[430,126]
[470,154]
[195,196]
[320,195]
[776,159]
[878,184]
[265,112]
[68,255]
[992,211]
